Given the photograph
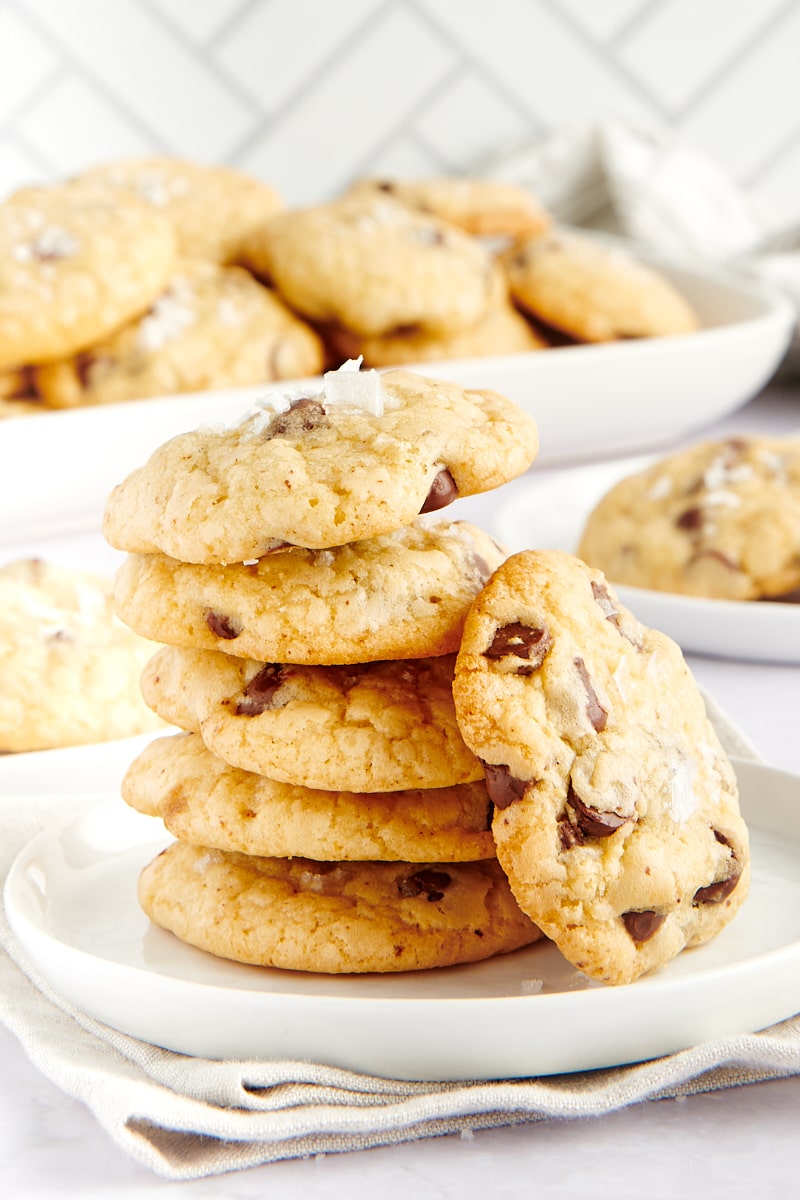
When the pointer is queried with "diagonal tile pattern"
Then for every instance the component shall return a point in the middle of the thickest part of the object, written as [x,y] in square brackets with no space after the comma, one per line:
[308,93]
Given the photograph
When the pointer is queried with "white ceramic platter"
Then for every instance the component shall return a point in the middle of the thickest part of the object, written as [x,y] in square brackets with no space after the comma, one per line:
[56,469]
[70,899]
[549,514]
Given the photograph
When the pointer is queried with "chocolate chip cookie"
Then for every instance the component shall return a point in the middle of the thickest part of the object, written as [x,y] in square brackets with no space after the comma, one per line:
[205,802]
[402,595]
[617,818]
[721,519]
[363,457]
[333,917]
[373,727]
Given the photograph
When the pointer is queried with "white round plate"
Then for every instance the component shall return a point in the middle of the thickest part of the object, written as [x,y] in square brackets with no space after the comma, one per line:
[588,401]
[71,901]
[549,514]
[93,770]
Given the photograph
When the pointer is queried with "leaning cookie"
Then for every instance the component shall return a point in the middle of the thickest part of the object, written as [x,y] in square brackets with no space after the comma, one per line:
[212,327]
[69,668]
[593,290]
[360,459]
[721,519]
[213,209]
[205,802]
[617,817]
[482,207]
[402,595]
[372,265]
[333,917]
[375,727]
[75,265]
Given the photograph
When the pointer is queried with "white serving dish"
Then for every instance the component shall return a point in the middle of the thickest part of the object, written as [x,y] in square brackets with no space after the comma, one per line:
[57,469]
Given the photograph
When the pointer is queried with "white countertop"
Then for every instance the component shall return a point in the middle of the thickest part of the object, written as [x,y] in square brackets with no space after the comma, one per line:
[739,1142]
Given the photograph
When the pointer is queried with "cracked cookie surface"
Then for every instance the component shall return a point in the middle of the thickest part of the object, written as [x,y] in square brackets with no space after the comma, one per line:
[617,818]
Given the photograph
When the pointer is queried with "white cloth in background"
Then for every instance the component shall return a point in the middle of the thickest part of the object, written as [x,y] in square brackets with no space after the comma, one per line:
[186,1117]
[648,186]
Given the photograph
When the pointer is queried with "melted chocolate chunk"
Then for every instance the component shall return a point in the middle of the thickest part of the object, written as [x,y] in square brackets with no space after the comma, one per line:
[570,835]
[502,786]
[642,925]
[433,883]
[792,597]
[603,598]
[593,822]
[260,691]
[27,387]
[222,626]
[443,491]
[691,519]
[715,893]
[303,416]
[522,641]
[594,710]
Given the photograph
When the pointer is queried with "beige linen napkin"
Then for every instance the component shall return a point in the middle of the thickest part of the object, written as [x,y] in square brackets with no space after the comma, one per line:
[187,1117]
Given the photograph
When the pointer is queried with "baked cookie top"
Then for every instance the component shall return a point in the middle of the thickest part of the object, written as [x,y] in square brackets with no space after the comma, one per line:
[69,668]
[204,801]
[374,727]
[373,264]
[617,817]
[74,266]
[593,290]
[212,209]
[212,327]
[361,458]
[333,917]
[720,519]
[503,330]
[402,595]
[482,207]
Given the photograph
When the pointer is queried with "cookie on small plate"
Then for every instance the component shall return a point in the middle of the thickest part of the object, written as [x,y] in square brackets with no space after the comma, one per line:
[373,727]
[720,519]
[75,265]
[212,209]
[617,818]
[213,327]
[205,802]
[69,668]
[333,917]
[594,291]
[360,459]
[402,595]
[371,264]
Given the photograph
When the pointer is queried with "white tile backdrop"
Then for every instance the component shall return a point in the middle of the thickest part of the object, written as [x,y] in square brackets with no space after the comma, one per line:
[309,93]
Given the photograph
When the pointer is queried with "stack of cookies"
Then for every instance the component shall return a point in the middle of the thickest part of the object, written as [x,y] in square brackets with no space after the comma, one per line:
[328,814]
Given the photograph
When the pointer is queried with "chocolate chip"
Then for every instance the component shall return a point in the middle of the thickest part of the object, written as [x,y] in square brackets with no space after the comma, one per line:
[26,385]
[642,925]
[792,597]
[258,695]
[433,883]
[691,519]
[525,642]
[443,491]
[303,416]
[569,835]
[715,893]
[502,786]
[716,554]
[594,710]
[593,822]
[603,598]
[222,626]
